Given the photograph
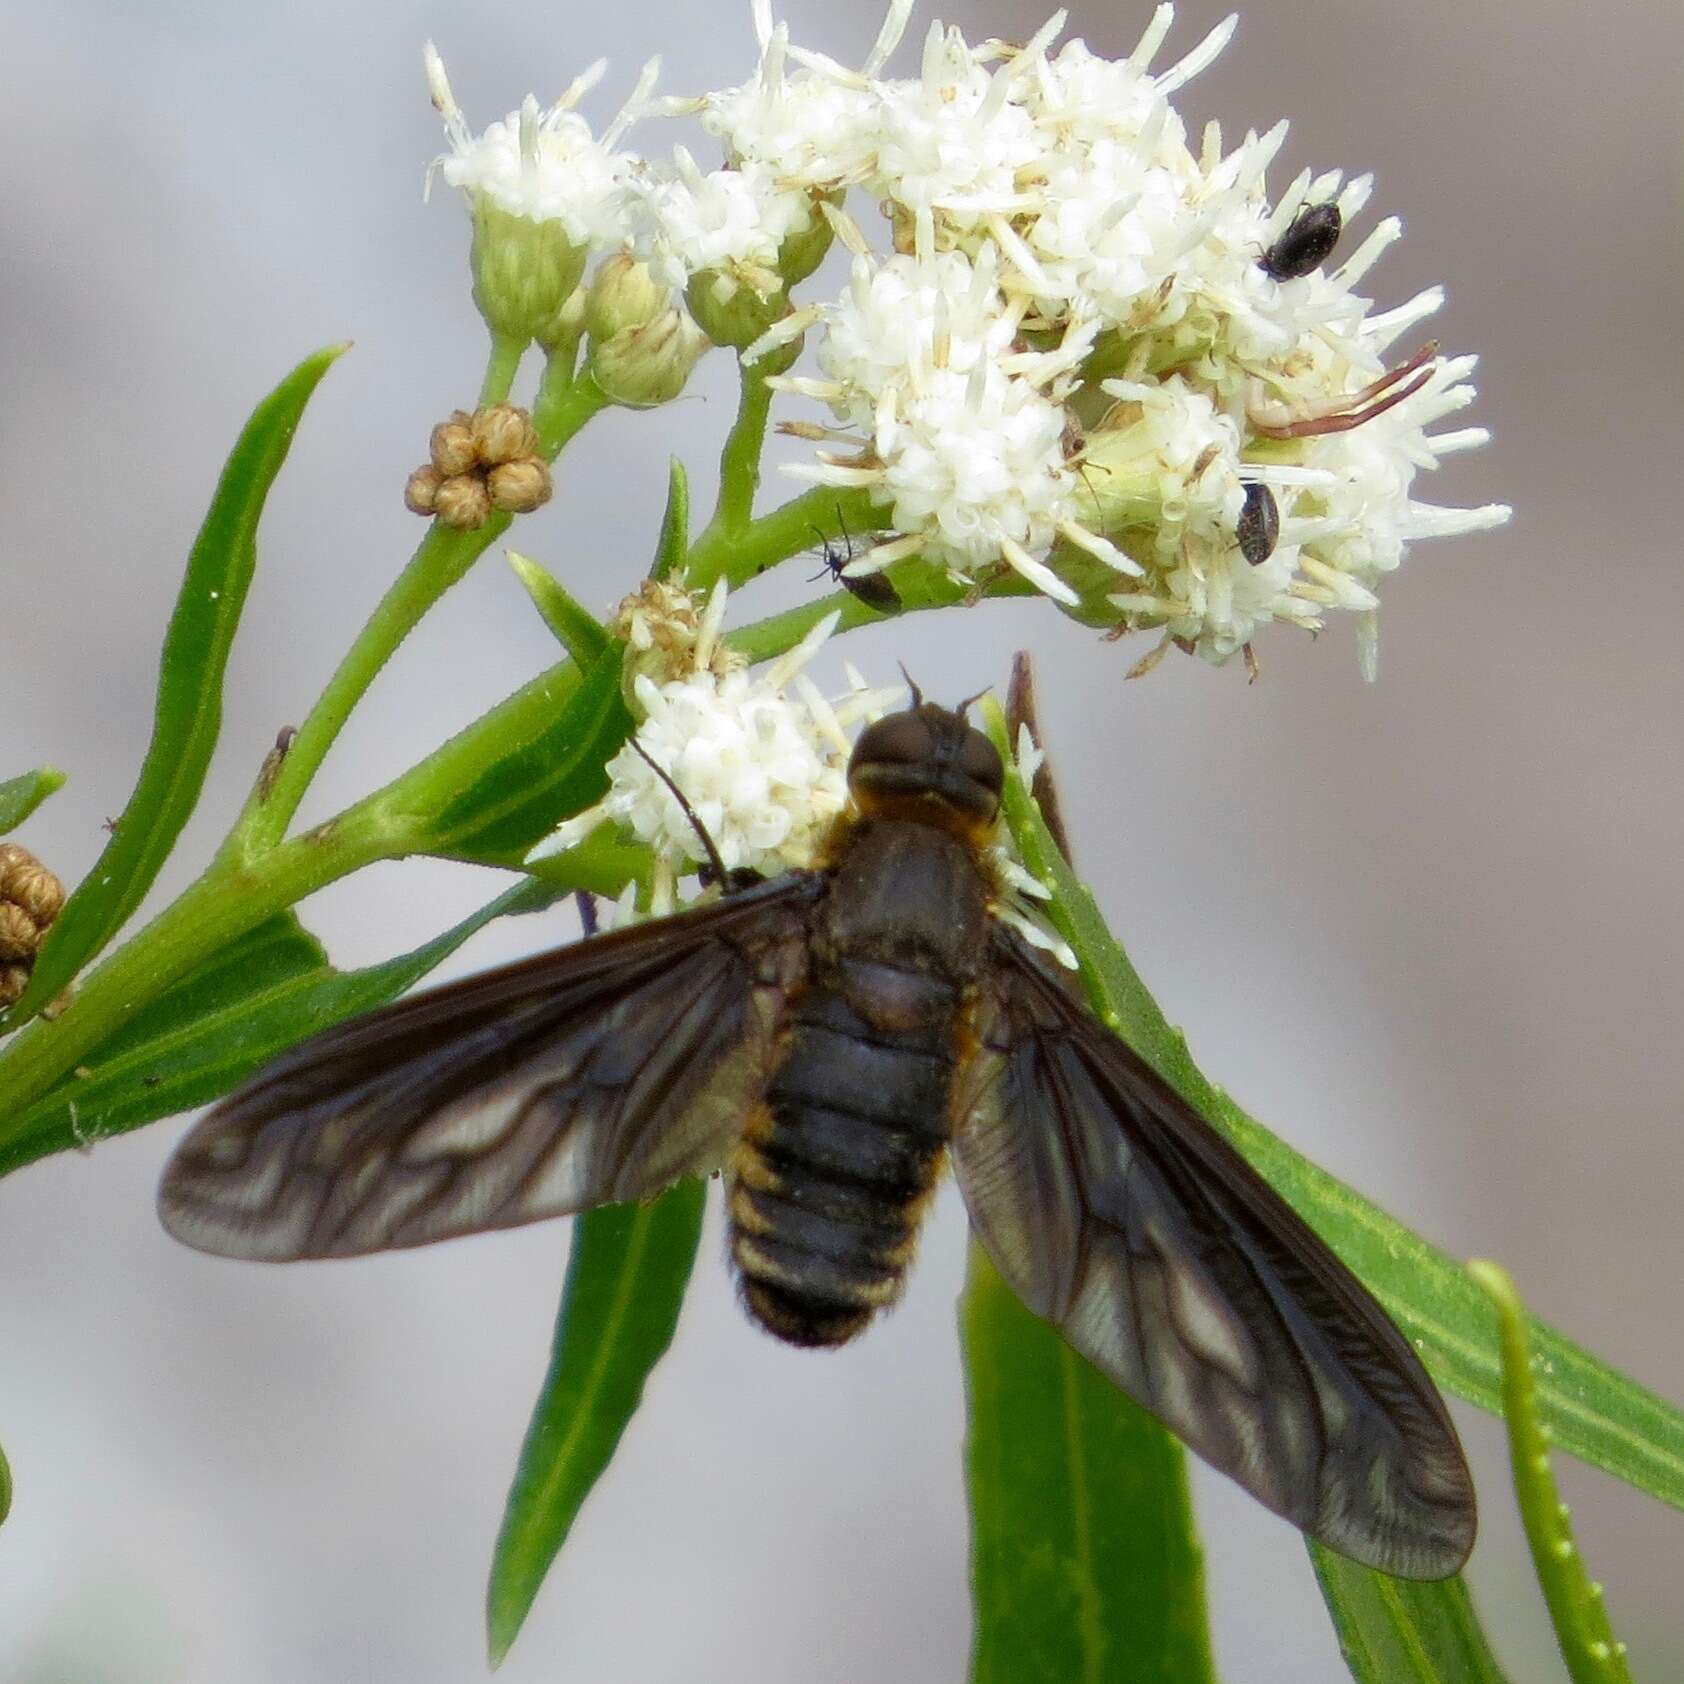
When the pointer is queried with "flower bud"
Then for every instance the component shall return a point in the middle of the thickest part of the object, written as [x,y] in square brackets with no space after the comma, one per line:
[730,311]
[18,936]
[624,294]
[501,432]
[463,502]
[800,253]
[452,444]
[648,365]
[668,632]
[1122,476]
[30,899]
[524,272]
[420,493]
[519,487]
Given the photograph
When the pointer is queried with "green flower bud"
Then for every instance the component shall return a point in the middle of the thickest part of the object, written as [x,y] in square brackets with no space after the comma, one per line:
[730,310]
[800,253]
[524,273]
[624,294]
[1121,475]
[644,366]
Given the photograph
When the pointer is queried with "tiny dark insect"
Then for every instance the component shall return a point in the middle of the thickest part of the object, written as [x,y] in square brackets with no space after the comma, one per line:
[1259,526]
[1306,244]
[827,1037]
[873,589]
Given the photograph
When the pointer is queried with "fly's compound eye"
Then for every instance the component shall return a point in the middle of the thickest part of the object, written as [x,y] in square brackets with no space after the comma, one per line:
[980,762]
[901,739]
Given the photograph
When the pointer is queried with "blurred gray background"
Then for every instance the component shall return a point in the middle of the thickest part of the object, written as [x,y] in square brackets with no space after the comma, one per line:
[1429,929]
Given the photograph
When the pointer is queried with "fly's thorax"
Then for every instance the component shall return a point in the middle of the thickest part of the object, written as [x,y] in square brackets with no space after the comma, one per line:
[905,898]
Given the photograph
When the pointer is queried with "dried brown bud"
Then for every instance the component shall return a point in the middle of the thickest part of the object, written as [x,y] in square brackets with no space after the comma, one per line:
[420,495]
[30,899]
[520,487]
[19,935]
[28,883]
[463,502]
[452,445]
[503,432]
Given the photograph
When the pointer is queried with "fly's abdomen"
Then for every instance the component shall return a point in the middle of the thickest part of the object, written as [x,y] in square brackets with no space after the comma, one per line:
[832,1175]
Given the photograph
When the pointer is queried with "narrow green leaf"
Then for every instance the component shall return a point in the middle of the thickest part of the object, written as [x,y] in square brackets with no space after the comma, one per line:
[1085,1566]
[579,632]
[189,703]
[525,793]
[674,541]
[256,998]
[1594,1411]
[19,797]
[626,1276]
[5,1486]
[1398,1631]
[1588,1645]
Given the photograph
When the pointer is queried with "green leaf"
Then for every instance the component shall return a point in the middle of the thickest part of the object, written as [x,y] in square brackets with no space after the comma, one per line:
[19,797]
[522,796]
[255,999]
[579,632]
[1398,1631]
[674,541]
[626,1276]
[189,704]
[1594,1411]
[5,1486]
[1588,1645]
[1084,1562]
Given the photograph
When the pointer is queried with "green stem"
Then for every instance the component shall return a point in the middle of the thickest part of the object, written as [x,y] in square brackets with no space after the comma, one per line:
[743,554]
[501,368]
[222,905]
[739,461]
[238,893]
[1576,1609]
[441,559]
[919,586]
[564,405]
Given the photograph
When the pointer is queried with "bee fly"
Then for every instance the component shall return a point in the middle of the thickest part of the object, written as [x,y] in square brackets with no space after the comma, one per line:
[826,1037]
[1306,243]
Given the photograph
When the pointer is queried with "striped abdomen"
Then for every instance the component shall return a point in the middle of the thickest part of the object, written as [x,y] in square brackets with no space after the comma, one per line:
[832,1174]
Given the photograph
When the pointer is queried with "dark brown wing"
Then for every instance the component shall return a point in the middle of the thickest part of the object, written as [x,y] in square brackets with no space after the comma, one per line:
[1117,1213]
[597,1072]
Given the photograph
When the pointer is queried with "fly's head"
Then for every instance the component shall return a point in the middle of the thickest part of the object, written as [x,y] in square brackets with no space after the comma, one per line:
[928,764]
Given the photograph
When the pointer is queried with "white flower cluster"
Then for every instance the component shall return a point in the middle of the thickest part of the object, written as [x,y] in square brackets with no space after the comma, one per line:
[1084,347]
[764,772]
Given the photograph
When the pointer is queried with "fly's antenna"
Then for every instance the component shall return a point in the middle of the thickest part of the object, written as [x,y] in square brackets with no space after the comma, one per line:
[715,864]
[842,522]
[961,708]
[917,694]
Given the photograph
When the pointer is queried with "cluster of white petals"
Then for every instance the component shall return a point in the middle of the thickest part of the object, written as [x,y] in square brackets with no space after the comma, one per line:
[541,163]
[1073,342]
[760,757]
